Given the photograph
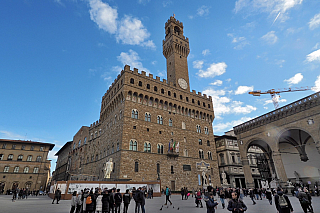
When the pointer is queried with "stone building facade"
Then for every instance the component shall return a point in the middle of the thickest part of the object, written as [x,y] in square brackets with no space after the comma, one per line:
[230,162]
[24,164]
[152,129]
[61,172]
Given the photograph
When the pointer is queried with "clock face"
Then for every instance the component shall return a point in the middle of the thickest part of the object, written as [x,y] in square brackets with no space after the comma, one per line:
[182,83]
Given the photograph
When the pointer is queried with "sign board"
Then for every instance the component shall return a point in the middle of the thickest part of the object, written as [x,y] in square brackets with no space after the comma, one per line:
[186,167]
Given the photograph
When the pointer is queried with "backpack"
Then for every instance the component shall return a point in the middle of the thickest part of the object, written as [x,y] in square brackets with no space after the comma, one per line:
[88,200]
[282,202]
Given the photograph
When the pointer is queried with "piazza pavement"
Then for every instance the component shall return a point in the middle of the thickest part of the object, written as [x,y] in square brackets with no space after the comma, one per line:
[43,204]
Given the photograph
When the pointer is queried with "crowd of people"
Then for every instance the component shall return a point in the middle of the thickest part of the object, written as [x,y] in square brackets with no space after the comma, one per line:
[22,193]
[107,200]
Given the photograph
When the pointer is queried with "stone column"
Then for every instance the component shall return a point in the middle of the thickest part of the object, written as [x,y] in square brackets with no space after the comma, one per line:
[247,173]
[278,164]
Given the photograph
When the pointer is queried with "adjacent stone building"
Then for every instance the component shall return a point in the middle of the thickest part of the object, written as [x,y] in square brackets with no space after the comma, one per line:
[152,129]
[61,172]
[24,164]
[230,162]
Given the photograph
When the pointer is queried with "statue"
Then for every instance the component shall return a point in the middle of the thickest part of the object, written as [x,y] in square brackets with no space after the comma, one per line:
[224,180]
[204,176]
[289,183]
[108,168]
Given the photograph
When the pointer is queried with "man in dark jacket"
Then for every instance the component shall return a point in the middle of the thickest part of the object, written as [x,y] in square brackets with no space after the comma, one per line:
[118,200]
[105,201]
[138,199]
[126,201]
[236,205]
[282,202]
[90,203]
[211,205]
[111,201]
[57,195]
[269,196]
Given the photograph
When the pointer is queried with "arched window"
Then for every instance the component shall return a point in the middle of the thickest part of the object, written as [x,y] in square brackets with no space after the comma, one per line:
[16,169]
[26,170]
[74,145]
[131,81]
[38,159]
[185,152]
[201,156]
[85,140]
[206,130]
[209,155]
[20,157]
[200,142]
[170,122]
[155,89]
[147,117]
[28,185]
[133,145]
[162,91]
[159,119]
[147,147]
[134,114]
[79,143]
[136,166]
[29,158]
[160,148]
[6,169]
[10,157]
[35,170]
[140,83]
[198,129]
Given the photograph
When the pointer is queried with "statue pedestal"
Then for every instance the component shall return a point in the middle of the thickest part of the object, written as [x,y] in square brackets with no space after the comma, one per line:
[225,185]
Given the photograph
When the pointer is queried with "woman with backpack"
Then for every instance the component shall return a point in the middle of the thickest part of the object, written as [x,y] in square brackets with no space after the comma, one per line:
[198,199]
[282,202]
[90,203]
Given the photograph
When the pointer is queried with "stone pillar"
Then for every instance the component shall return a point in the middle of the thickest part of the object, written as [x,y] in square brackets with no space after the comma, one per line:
[247,173]
[278,164]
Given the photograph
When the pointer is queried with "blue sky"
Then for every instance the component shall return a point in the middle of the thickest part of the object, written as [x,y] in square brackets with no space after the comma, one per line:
[58,57]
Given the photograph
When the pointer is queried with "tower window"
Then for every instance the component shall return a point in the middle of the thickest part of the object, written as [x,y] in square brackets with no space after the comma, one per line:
[162,91]
[199,103]
[187,99]
[174,95]
[155,89]
[172,172]
[192,100]
[132,81]
[181,97]
[148,86]
[169,93]
[140,83]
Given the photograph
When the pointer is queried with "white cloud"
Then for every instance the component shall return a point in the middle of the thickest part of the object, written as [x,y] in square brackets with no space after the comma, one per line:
[143,1]
[103,15]
[216,83]
[295,79]
[279,62]
[270,37]
[166,3]
[11,135]
[243,89]
[316,46]
[223,105]
[316,87]
[276,8]
[197,64]
[203,10]
[213,70]
[132,59]
[223,127]
[132,31]
[239,41]
[129,30]
[228,80]
[206,52]
[314,56]
[314,22]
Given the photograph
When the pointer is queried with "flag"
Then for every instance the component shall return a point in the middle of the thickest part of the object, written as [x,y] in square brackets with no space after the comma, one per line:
[177,148]
[174,145]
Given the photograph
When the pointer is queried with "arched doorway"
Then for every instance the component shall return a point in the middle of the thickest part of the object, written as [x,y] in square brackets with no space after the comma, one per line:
[260,164]
[300,156]
[28,185]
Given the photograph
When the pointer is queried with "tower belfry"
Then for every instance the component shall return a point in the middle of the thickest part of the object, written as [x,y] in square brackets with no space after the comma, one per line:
[176,50]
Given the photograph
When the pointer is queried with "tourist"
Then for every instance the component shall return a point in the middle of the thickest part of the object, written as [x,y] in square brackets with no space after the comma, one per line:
[211,205]
[251,193]
[222,197]
[105,201]
[126,201]
[57,195]
[182,193]
[305,200]
[99,202]
[138,199]
[73,201]
[198,199]
[269,196]
[236,205]
[111,201]
[168,193]
[79,202]
[282,202]
[117,201]
[90,203]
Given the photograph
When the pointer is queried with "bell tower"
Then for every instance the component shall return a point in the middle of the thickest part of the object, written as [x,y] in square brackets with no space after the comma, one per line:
[176,50]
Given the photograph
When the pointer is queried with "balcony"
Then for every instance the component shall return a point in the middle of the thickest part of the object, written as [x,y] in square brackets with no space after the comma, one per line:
[172,153]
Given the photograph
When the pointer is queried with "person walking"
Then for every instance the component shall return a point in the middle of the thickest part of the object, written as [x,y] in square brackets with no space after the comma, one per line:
[57,195]
[168,193]
[182,193]
[269,196]
[210,204]
[99,202]
[282,202]
[222,197]
[236,205]
[118,201]
[198,199]
[251,194]
[126,201]
[79,202]
[138,199]
[304,200]
[73,201]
